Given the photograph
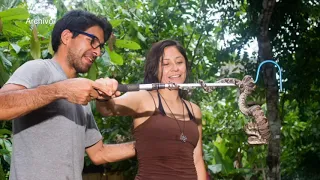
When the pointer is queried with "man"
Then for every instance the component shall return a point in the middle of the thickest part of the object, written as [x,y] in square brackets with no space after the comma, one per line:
[54,125]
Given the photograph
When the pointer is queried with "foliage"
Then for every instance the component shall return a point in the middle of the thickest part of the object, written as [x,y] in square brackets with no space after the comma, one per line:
[204,28]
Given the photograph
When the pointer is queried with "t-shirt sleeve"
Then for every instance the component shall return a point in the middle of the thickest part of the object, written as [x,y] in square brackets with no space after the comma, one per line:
[92,133]
[31,74]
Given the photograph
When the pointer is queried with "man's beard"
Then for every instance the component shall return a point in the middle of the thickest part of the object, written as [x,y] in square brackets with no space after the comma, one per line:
[75,61]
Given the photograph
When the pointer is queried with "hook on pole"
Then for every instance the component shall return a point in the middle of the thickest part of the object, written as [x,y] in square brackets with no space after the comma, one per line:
[270,61]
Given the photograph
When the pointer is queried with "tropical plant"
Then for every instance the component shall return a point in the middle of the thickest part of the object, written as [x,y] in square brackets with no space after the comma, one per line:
[217,35]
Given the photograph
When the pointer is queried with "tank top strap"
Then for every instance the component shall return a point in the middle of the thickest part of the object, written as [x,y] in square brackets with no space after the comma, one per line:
[160,105]
[191,115]
[155,105]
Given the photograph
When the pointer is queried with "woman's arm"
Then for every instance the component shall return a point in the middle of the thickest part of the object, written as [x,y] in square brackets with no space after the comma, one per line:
[197,154]
[198,158]
[127,104]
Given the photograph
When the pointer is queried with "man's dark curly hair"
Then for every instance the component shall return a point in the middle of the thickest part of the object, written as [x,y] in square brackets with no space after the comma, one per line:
[78,20]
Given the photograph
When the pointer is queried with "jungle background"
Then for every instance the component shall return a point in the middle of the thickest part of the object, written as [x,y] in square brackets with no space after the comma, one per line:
[223,38]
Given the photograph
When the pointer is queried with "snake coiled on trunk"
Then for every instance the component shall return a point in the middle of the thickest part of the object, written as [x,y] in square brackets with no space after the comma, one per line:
[258,130]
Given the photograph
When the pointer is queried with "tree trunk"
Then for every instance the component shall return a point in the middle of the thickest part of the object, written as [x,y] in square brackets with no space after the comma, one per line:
[271,85]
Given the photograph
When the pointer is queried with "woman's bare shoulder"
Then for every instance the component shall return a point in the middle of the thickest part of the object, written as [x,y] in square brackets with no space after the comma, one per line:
[195,109]
[145,98]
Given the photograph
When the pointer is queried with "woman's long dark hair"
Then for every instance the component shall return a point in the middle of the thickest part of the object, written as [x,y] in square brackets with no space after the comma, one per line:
[155,56]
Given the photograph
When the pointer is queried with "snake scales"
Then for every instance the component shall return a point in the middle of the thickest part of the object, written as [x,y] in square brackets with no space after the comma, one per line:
[258,130]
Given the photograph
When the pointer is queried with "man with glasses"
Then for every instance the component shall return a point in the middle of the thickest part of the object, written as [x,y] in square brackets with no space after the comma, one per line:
[95,43]
[53,124]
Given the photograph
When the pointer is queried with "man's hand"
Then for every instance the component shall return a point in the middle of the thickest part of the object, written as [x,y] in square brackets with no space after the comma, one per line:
[107,88]
[81,90]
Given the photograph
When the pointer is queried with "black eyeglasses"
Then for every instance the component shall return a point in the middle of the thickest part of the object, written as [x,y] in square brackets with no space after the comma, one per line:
[95,43]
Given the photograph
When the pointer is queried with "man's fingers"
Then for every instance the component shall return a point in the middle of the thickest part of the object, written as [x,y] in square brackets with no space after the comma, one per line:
[106,85]
[114,85]
[94,94]
[102,88]
[118,93]
[100,93]
[87,100]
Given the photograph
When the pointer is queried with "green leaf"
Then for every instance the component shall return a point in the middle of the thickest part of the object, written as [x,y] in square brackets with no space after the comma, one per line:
[93,71]
[104,60]
[4,76]
[7,64]
[11,30]
[24,42]
[35,44]
[1,25]
[45,29]
[141,37]
[14,14]
[50,47]
[2,174]
[5,131]
[7,158]
[115,23]
[23,26]
[15,47]
[127,44]
[4,151]
[218,157]
[215,168]
[4,44]
[221,155]
[115,58]
[8,144]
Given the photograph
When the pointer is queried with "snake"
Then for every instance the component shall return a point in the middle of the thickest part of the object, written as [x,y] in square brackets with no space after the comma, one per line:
[257,130]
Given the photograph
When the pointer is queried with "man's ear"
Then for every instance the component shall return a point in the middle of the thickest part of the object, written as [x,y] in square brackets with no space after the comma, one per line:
[66,36]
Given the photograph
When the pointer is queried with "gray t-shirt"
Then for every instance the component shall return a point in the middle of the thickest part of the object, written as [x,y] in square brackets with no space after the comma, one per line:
[49,143]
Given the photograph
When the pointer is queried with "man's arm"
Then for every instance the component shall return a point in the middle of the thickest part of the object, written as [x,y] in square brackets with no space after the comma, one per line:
[16,100]
[104,153]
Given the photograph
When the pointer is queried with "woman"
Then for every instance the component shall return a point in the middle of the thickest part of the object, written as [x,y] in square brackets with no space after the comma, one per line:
[167,128]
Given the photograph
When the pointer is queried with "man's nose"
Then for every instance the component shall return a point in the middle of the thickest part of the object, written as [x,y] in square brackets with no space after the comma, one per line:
[97,51]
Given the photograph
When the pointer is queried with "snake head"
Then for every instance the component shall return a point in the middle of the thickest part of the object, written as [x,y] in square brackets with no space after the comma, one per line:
[248,83]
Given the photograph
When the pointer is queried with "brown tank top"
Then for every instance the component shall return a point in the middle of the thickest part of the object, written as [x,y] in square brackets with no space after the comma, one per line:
[160,152]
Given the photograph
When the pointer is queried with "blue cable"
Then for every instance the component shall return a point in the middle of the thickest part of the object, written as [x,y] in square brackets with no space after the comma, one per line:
[269,61]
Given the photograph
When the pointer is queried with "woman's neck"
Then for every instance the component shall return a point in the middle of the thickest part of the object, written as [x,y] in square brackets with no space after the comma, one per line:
[170,95]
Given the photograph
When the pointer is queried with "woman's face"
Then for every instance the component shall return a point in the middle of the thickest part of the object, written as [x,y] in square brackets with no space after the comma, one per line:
[173,68]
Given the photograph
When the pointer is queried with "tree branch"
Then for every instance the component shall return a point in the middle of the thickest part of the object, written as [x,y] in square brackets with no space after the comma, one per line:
[195,50]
